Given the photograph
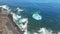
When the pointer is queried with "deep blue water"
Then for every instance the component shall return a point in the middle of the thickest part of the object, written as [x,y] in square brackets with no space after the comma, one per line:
[50,13]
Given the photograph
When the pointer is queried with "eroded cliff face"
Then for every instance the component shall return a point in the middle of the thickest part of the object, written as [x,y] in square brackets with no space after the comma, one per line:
[7,26]
[3,21]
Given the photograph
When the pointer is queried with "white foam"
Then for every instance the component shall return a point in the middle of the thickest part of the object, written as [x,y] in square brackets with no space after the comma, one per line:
[15,16]
[58,32]
[5,7]
[19,9]
[35,33]
[45,31]
[37,16]
[18,16]
[42,30]
[23,20]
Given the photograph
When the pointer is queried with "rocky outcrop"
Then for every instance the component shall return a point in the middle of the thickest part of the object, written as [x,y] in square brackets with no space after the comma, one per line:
[7,25]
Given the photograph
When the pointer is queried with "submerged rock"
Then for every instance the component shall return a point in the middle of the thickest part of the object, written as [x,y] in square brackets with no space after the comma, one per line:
[36,16]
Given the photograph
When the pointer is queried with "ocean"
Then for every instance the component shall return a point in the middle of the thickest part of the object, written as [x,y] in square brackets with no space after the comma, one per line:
[50,13]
